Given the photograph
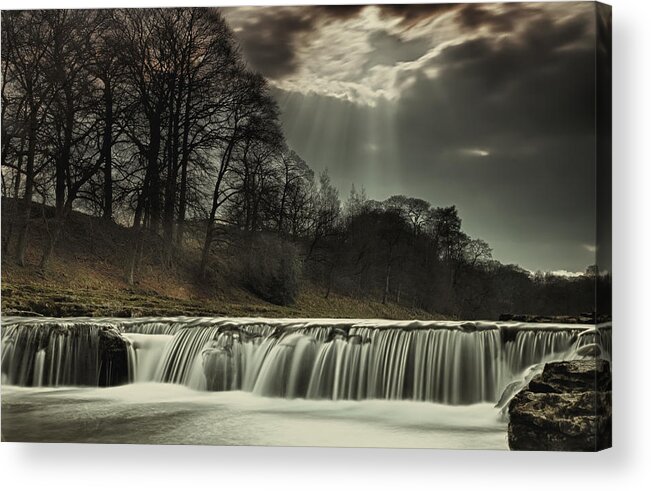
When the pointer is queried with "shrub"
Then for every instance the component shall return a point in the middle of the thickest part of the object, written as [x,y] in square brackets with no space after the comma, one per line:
[272,269]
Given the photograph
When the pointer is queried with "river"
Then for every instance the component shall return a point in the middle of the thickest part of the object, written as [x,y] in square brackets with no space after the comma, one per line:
[309,382]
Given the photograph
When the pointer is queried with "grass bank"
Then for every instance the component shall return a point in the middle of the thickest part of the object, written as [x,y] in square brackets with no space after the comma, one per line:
[87,277]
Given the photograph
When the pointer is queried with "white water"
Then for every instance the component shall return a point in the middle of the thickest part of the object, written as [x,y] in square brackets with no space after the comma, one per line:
[451,364]
[272,381]
[60,353]
[174,414]
[146,352]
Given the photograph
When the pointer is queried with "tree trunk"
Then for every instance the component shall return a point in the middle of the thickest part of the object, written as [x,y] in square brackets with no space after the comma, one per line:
[21,245]
[136,231]
[107,144]
[62,208]
[385,296]
[6,239]
[133,260]
[205,253]
[180,227]
[185,157]
[154,173]
[172,173]
[329,284]
[52,241]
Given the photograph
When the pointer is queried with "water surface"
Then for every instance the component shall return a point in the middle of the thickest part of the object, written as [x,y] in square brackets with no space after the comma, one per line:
[156,413]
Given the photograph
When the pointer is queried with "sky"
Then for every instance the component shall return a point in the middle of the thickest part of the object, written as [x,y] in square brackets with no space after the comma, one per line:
[489,107]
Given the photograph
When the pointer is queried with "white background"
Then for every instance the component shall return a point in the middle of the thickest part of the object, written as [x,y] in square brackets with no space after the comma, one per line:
[626,466]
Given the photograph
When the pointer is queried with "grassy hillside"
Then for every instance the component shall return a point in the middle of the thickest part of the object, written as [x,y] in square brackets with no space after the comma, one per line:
[88,276]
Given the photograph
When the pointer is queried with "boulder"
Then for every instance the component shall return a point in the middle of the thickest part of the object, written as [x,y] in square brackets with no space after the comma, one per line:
[113,357]
[592,350]
[567,407]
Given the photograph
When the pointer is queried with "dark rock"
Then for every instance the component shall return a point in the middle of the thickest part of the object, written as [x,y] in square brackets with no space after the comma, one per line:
[593,350]
[584,318]
[114,358]
[468,326]
[355,339]
[337,332]
[565,408]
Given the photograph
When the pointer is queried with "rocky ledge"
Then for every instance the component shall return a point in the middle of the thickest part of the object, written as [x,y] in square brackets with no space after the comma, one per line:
[584,318]
[567,407]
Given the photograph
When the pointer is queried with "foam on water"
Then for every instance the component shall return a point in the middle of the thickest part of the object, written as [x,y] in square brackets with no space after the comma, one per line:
[170,413]
[254,381]
[449,362]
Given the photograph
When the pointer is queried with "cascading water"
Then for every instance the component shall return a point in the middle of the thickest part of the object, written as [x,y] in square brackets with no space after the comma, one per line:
[64,353]
[145,353]
[444,362]
[530,347]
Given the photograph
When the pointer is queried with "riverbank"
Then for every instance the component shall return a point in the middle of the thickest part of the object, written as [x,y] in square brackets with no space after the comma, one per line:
[88,276]
[71,290]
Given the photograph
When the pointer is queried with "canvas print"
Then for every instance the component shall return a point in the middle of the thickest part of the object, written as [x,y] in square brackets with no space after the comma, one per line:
[344,226]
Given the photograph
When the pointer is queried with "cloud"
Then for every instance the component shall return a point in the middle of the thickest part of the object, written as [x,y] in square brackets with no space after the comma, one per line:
[474,152]
[410,15]
[435,98]
[567,274]
[280,42]
[271,37]
[497,18]
[386,48]
[530,100]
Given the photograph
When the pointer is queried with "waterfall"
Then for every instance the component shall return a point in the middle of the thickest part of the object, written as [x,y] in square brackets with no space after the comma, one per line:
[439,361]
[536,346]
[145,353]
[63,353]
[154,328]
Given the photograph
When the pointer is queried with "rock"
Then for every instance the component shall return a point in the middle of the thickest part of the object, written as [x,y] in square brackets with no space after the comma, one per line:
[355,339]
[113,356]
[592,350]
[584,318]
[514,387]
[565,408]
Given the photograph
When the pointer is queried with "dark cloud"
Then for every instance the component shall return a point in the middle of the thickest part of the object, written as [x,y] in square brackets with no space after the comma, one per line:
[505,130]
[337,11]
[413,14]
[474,16]
[270,36]
[498,18]
[529,103]
[530,85]
[503,126]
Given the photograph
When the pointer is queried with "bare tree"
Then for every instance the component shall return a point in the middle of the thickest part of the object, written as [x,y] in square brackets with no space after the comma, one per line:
[26,40]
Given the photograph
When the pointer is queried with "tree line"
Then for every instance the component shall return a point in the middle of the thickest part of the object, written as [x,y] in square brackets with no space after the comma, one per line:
[152,119]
